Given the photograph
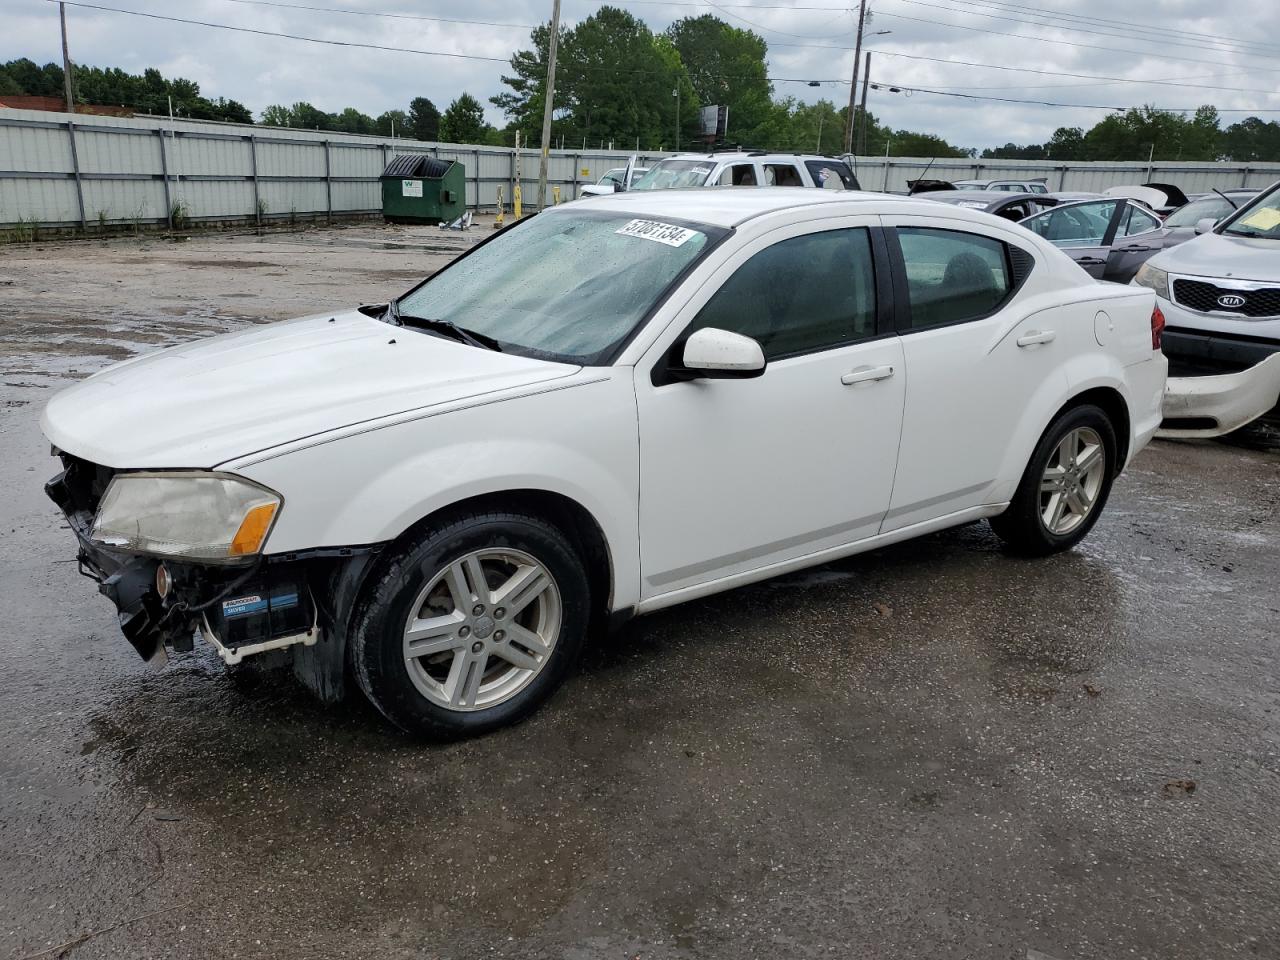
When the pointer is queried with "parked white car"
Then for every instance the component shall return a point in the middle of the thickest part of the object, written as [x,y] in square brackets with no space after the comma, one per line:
[739,168]
[609,408]
[1008,186]
[614,180]
[1220,294]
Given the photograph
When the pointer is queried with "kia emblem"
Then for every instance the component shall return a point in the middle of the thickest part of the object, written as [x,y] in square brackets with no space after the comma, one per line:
[1231,301]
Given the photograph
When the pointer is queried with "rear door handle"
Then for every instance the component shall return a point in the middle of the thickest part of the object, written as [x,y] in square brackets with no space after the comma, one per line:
[1090,261]
[865,374]
[1036,336]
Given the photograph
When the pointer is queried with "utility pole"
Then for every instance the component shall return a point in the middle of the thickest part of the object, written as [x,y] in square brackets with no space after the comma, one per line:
[853,83]
[66,62]
[549,97]
[866,82]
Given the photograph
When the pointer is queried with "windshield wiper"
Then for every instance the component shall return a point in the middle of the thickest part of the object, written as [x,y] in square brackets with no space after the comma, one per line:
[1250,233]
[1234,205]
[446,327]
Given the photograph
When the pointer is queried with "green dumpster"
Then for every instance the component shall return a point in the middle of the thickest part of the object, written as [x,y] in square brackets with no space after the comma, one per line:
[417,188]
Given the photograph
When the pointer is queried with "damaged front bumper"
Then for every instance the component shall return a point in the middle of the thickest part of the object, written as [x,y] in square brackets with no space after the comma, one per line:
[1217,404]
[296,603]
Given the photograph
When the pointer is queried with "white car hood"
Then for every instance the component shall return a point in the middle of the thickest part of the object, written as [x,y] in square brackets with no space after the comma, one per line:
[1216,255]
[203,403]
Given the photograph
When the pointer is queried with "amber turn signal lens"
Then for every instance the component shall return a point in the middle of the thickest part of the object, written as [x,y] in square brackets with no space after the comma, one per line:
[253,530]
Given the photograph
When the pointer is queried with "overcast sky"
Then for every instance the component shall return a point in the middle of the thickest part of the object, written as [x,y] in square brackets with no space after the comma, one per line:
[1193,42]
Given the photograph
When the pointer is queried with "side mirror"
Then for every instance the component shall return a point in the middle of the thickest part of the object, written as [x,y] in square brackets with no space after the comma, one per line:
[1205,225]
[722,354]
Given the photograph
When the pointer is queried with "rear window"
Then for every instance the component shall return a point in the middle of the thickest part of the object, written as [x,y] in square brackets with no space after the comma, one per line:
[831,175]
[953,276]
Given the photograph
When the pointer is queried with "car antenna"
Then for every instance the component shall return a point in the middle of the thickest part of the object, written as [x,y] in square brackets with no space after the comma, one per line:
[1234,205]
[911,192]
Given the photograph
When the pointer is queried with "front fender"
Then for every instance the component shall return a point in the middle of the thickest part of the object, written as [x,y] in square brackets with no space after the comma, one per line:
[580,443]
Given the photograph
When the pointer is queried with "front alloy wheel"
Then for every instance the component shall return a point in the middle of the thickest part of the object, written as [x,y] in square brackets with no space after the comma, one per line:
[472,625]
[482,629]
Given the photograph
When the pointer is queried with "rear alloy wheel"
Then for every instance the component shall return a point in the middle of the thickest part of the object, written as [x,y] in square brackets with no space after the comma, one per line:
[472,626]
[1072,480]
[1064,487]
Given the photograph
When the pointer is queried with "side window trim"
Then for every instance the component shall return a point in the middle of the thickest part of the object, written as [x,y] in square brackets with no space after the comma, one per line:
[901,307]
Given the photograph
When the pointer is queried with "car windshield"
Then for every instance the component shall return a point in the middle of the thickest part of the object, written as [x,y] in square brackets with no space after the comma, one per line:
[563,286]
[1192,213]
[673,174]
[1260,220]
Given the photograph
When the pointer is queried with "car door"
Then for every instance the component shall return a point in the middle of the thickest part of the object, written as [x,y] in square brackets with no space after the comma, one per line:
[1139,236]
[741,475]
[975,358]
[1084,231]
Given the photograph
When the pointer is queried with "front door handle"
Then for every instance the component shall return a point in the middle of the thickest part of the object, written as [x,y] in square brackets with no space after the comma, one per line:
[865,374]
[1036,336]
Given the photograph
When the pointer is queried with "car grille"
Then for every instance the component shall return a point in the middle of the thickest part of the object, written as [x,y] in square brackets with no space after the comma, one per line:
[1202,296]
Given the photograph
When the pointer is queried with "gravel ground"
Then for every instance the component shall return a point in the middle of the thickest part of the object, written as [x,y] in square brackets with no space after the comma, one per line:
[933,750]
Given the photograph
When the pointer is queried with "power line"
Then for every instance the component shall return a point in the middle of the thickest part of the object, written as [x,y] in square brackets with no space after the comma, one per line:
[1077,28]
[1128,24]
[378,14]
[1068,43]
[1079,76]
[1051,103]
[391,49]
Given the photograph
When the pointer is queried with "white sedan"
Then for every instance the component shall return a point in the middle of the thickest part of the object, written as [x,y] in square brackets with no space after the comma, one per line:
[606,409]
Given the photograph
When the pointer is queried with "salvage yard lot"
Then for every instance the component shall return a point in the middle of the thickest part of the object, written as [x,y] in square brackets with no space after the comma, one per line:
[932,750]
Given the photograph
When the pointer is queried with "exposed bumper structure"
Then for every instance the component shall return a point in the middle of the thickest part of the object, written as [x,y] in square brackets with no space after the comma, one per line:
[1213,405]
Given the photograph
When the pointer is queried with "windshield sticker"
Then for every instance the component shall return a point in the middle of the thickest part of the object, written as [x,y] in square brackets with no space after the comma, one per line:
[667,233]
[1265,219]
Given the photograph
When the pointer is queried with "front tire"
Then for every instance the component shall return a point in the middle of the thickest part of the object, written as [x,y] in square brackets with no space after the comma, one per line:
[1065,485]
[472,626]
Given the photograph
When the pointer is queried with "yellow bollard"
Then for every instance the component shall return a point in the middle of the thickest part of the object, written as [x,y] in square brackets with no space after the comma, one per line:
[555,195]
[515,201]
[498,220]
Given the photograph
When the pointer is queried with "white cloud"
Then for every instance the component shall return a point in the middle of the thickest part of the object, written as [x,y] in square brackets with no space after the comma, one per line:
[259,70]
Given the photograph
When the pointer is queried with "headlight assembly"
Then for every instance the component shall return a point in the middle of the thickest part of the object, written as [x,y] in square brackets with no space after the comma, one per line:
[198,516]
[1155,278]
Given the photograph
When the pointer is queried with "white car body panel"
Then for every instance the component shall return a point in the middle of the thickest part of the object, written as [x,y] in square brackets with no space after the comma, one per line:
[203,403]
[1231,399]
[696,486]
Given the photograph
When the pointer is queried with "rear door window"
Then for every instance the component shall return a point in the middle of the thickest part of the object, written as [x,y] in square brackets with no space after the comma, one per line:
[782,175]
[952,276]
[738,175]
[1134,221]
[1079,225]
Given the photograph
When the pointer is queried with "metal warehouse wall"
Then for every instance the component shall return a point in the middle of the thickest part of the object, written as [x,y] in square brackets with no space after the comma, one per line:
[59,169]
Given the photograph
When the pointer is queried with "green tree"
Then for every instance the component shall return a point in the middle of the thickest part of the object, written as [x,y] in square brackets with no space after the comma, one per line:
[1251,139]
[463,121]
[423,120]
[523,103]
[277,115]
[352,120]
[726,65]
[393,122]
[1067,143]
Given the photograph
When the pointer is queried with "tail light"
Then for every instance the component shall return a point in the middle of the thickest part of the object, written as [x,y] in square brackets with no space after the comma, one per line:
[1157,327]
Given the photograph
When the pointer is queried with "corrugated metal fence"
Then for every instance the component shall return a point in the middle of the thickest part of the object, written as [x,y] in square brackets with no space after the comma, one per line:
[892,173]
[70,170]
[60,169]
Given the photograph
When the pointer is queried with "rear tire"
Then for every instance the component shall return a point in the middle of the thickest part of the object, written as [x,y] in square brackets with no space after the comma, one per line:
[1065,486]
[472,626]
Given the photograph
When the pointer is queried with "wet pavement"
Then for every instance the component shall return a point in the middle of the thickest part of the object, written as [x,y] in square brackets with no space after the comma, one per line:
[934,750]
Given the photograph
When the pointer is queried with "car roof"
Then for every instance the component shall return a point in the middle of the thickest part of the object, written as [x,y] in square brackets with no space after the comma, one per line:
[731,206]
[955,196]
[736,156]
